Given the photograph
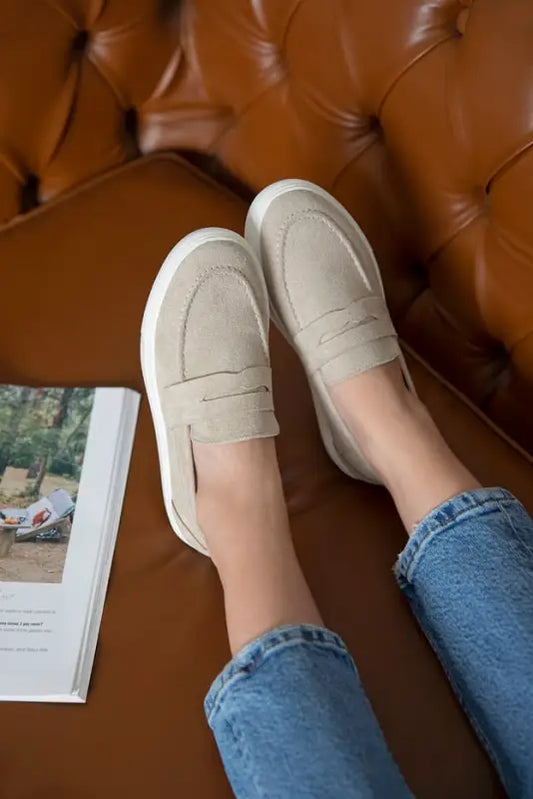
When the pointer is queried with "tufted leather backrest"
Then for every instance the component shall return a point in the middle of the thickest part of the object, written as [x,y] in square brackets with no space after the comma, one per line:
[417,114]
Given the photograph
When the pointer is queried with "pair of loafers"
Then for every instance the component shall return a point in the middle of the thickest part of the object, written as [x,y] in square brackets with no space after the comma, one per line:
[306,264]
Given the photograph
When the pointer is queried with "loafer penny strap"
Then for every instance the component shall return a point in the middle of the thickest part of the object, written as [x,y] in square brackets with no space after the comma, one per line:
[365,323]
[225,406]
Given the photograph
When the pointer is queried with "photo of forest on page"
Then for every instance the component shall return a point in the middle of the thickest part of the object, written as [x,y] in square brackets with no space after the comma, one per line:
[43,435]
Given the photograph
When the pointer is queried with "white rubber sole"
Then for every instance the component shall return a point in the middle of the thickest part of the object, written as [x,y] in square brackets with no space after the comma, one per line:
[170,266]
[252,232]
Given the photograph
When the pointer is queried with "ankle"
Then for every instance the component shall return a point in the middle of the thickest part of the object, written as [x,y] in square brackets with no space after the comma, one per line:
[399,439]
[235,471]
[241,509]
[381,413]
[404,433]
[239,499]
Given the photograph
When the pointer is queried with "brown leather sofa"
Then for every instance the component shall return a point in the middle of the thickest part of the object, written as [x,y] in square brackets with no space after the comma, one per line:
[418,115]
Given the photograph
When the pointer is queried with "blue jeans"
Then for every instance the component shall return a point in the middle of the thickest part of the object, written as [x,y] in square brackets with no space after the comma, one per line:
[289,713]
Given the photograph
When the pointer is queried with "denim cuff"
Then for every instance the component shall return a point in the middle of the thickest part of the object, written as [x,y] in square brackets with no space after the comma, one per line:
[452,512]
[253,655]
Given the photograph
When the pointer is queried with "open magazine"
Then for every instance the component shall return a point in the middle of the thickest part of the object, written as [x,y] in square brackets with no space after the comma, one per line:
[64,459]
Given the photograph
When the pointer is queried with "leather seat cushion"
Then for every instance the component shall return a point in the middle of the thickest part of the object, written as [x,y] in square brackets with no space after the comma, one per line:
[76,275]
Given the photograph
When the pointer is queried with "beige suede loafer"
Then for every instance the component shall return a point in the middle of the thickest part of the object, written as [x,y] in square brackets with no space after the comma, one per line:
[205,361]
[326,297]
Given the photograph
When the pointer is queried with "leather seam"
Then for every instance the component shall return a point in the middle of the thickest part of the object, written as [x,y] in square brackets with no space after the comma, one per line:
[62,13]
[11,168]
[376,140]
[408,68]
[94,181]
[100,69]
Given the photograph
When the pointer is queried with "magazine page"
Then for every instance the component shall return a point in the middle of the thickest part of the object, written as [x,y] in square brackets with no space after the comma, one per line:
[58,448]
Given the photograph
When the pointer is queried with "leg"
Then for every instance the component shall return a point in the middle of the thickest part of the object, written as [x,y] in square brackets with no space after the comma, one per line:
[243,513]
[401,442]
[467,569]
[289,714]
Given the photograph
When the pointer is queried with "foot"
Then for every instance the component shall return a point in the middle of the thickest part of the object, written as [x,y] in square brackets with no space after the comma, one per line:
[376,405]
[396,434]
[326,297]
[238,489]
[204,348]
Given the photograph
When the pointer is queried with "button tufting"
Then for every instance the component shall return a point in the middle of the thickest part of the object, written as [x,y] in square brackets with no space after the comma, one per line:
[500,360]
[282,66]
[420,276]
[80,41]
[361,126]
[131,123]
[29,195]
[131,131]
[374,126]
[487,197]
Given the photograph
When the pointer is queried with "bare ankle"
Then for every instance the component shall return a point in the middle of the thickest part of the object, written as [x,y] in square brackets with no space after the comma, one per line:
[239,495]
[376,406]
[242,512]
[401,442]
[235,467]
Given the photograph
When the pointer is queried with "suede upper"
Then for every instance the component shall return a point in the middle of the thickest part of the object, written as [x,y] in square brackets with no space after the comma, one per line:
[326,297]
[211,355]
